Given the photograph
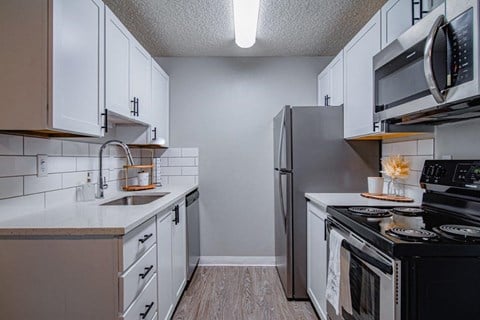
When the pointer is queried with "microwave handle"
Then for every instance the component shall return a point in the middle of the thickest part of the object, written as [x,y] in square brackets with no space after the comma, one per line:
[428,61]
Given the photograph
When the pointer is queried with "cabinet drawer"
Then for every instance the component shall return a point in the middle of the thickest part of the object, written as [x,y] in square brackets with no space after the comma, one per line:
[145,306]
[134,279]
[138,241]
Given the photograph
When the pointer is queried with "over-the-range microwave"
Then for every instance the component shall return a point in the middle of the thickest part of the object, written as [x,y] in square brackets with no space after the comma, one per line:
[430,74]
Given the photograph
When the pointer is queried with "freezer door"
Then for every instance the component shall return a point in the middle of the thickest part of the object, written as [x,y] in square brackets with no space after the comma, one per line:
[282,139]
[283,230]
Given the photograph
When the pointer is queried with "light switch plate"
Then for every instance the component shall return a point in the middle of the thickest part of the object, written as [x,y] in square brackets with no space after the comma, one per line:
[42,165]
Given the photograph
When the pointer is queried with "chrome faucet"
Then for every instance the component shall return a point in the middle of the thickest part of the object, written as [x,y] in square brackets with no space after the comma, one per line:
[102,181]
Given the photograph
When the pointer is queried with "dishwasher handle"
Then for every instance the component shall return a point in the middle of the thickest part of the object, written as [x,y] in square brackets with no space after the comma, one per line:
[192,197]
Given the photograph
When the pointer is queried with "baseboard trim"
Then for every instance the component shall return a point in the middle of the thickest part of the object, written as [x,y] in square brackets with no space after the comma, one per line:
[237,261]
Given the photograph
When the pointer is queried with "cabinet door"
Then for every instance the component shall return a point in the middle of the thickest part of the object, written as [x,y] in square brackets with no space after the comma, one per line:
[336,80]
[358,79]
[117,65]
[317,259]
[179,253]
[324,86]
[140,80]
[78,66]
[160,121]
[396,19]
[164,271]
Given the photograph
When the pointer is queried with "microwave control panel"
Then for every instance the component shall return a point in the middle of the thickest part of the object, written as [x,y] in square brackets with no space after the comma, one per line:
[460,49]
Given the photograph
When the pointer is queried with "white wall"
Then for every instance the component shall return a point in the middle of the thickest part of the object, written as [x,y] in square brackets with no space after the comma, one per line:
[225,106]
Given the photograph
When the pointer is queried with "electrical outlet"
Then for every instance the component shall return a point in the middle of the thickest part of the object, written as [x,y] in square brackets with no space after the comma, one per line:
[42,165]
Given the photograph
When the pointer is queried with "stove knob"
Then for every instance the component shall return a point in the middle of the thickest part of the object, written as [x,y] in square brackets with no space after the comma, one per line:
[430,171]
[439,172]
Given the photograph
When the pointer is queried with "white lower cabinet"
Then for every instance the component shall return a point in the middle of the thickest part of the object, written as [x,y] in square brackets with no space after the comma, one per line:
[172,259]
[317,258]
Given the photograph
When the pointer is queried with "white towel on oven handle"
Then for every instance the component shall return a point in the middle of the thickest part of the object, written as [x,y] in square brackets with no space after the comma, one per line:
[338,282]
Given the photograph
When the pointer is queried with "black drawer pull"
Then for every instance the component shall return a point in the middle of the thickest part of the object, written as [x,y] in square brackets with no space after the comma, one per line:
[145,237]
[147,271]
[149,307]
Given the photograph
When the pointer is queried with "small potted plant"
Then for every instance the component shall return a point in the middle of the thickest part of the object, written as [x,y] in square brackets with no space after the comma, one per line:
[397,168]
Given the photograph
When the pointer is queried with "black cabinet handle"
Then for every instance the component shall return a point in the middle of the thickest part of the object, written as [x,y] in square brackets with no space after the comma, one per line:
[154,133]
[145,237]
[147,310]
[177,215]
[134,111]
[147,271]
[105,120]
[138,107]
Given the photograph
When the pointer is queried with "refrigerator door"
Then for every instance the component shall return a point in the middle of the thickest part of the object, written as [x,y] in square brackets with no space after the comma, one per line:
[323,162]
[283,199]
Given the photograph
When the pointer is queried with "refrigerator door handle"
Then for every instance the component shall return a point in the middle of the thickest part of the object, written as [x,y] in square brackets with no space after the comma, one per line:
[282,206]
[280,140]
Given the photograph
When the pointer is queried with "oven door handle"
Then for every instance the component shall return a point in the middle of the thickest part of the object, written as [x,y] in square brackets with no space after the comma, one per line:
[428,61]
[388,269]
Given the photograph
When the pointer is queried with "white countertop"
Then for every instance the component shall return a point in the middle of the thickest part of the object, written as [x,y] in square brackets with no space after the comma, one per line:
[89,218]
[325,200]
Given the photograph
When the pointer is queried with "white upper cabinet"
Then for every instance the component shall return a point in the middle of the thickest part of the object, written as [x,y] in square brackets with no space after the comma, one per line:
[140,80]
[358,79]
[330,83]
[52,77]
[160,106]
[323,87]
[117,65]
[397,17]
[128,72]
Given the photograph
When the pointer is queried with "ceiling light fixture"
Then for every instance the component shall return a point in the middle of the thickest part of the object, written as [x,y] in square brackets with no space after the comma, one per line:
[245,17]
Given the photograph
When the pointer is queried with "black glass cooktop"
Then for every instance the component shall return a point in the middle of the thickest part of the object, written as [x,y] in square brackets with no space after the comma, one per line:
[412,230]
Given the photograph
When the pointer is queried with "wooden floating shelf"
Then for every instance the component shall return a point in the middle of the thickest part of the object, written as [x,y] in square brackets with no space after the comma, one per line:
[139,166]
[386,197]
[139,188]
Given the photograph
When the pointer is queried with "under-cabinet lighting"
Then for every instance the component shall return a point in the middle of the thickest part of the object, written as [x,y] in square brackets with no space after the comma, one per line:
[245,16]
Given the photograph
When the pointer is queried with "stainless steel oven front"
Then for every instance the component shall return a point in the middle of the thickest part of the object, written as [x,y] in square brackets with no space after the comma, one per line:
[434,63]
[374,280]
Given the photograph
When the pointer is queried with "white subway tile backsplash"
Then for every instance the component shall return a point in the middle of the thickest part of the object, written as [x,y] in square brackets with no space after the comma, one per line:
[189,152]
[94,150]
[34,184]
[17,166]
[34,146]
[11,145]
[425,147]
[11,187]
[181,180]
[416,162]
[76,149]
[406,148]
[171,171]
[85,163]
[181,162]
[60,197]
[172,153]
[73,179]
[190,171]
[61,164]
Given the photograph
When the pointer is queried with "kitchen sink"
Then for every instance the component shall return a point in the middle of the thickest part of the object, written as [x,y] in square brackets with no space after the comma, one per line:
[135,200]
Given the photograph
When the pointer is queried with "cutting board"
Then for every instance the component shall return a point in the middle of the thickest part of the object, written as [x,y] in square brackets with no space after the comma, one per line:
[386,197]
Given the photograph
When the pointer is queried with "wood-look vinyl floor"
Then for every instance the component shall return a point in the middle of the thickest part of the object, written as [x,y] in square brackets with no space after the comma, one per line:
[239,293]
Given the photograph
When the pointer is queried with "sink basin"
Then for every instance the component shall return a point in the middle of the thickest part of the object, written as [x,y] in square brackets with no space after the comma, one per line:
[135,200]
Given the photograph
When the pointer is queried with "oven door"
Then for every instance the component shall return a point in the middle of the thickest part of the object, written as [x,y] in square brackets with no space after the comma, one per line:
[373,280]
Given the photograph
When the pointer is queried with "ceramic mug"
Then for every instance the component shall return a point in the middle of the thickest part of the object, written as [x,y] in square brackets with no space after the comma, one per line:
[375,185]
[143,179]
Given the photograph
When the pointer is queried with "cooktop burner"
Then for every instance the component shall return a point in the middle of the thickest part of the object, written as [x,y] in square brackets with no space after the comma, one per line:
[408,211]
[370,212]
[467,232]
[413,234]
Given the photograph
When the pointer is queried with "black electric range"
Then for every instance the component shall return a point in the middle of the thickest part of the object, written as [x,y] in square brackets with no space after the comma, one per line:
[434,248]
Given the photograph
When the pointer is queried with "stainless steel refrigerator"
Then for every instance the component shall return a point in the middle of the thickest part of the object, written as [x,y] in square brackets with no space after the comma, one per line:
[311,156]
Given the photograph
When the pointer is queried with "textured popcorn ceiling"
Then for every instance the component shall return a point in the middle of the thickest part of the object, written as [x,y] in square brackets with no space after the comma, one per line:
[205,27]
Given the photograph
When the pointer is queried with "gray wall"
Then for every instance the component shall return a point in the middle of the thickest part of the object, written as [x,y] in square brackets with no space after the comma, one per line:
[225,106]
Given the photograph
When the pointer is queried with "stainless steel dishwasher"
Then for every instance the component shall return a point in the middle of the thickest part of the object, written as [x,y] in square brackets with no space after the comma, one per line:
[193,232]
